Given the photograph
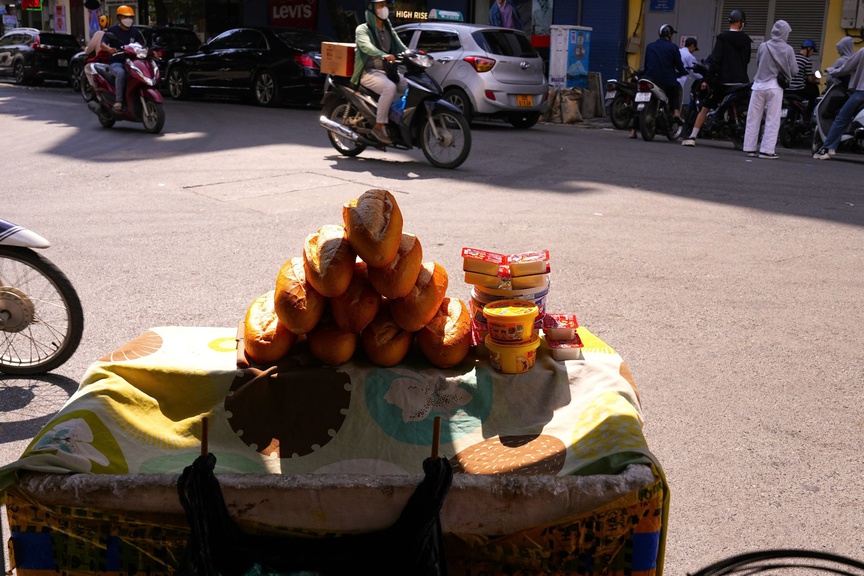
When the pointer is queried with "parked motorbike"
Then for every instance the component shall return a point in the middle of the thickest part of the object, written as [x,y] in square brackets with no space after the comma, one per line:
[726,122]
[41,320]
[421,118]
[655,114]
[795,126]
[142,101]
[827,109]
[619,101]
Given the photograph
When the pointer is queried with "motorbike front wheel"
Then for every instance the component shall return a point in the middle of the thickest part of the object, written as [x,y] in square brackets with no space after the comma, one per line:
[41,320]
[153,116]
[341,112]
[449,143]
[106,119]
[648,121]
[621,112]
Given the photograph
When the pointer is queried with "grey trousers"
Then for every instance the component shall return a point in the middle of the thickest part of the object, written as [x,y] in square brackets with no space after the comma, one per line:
[377,81]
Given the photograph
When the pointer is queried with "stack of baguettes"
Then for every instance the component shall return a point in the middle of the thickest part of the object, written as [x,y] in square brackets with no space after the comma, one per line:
[360,284]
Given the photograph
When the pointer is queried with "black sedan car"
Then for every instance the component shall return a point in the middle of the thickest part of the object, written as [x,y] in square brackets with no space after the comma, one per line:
[165,42]
[32,56]
[268,65]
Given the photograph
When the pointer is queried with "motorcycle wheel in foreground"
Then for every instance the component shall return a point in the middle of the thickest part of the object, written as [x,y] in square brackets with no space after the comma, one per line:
[826,110]
[655,116]
[619,102]
[41,320]
[142,101]
[421,118]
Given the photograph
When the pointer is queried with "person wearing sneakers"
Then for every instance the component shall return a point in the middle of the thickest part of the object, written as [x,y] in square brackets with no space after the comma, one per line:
[773,57]
[115,38]
[663,65]
[852,68]
[729,61]
[376,44]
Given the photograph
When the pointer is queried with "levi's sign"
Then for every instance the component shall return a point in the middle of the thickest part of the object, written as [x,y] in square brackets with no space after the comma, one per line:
[293,13]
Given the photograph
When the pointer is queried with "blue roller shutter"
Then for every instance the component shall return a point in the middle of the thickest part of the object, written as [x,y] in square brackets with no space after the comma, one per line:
[608,18]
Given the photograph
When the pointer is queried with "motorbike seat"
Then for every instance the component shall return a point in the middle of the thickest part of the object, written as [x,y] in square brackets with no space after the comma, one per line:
[793,97]
[346,82]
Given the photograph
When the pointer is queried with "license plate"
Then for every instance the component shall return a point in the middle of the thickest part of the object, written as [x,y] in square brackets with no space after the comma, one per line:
[611,94]
[62,62]
[524,100]
[784,112]
[643,96]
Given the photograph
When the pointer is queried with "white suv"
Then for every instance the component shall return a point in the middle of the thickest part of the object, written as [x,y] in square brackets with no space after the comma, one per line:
[484,70]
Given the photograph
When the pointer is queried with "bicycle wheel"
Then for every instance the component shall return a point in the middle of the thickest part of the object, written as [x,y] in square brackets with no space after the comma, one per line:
[785,562]
[41,320]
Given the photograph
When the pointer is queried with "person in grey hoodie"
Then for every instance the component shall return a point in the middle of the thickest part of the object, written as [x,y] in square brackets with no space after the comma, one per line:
[845,48]
[773,57]
[852,68]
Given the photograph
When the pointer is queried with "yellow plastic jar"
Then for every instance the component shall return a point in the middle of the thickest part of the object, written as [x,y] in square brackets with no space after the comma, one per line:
[511,320]
[514,357]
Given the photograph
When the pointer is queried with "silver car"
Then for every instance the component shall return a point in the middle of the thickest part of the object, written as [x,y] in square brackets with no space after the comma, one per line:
[484,70]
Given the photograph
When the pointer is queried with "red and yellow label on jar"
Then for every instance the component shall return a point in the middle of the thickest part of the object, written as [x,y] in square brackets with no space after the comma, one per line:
[511,320]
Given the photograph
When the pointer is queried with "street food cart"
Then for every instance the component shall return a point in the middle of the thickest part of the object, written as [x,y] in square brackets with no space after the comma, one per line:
[552,473]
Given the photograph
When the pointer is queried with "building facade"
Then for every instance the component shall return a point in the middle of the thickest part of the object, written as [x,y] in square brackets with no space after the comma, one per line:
[620,28]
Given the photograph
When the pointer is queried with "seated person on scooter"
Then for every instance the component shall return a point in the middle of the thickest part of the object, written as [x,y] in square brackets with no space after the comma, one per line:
[663,66]
[96,39]
[845,49]
[805,85]
[854,68]
[116,37]
[376,41]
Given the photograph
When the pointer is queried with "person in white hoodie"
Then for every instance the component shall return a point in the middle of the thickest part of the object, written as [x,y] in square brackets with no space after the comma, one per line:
[845,48]
[773,57]
[852,68]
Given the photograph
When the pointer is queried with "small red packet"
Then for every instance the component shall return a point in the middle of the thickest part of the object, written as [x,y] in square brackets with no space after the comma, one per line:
[565,349]
[481,261]
[527,263]
[560,326]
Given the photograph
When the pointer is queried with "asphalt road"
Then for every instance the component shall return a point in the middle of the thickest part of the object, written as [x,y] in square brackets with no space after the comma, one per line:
[731,286]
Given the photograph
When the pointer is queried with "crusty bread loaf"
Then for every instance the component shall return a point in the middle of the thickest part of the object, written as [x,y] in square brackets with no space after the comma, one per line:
[374,226]
[265,339]
[384,341]
[358,305]
[396,279]
[329,343]
[298,305]
[328,260]
[446,339]
[420,305]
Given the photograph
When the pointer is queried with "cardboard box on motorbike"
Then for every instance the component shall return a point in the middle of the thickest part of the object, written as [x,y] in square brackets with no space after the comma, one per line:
[337,58]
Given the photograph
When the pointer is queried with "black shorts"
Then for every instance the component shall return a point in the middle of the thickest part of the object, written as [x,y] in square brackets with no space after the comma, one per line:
[716,93]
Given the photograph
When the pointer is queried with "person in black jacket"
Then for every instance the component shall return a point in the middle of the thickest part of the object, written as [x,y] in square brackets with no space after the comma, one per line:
[663,65]
[730,58]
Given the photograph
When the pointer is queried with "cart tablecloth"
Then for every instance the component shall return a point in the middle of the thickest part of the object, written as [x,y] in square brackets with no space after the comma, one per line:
[139,410]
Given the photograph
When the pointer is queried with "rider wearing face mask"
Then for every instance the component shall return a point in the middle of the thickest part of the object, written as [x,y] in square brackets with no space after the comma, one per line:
[116,37]
[377,42]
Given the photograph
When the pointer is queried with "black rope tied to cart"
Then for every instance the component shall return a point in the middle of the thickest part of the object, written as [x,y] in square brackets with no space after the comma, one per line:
[218,547]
